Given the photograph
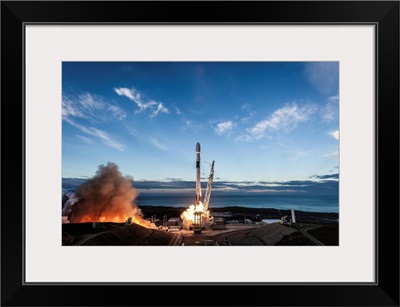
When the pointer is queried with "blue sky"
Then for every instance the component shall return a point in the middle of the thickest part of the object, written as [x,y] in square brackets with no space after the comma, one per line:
[259,121]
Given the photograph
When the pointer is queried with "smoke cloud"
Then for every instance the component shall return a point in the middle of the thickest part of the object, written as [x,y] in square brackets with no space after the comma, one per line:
[107,197]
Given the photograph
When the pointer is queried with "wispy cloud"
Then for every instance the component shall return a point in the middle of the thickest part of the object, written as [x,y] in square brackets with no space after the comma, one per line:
[69,109]
[323,75]
[107,139]
[192,125]
[178,111]
[158,144]
[117,112]
[142,102]
[223,127]
[100,134]
[131,94]
[160,108]
[246,112]
[284,119]
[300,154]
[331,154]
[90,103]
[90,107]
[330,111]
[85,139]
[334,134]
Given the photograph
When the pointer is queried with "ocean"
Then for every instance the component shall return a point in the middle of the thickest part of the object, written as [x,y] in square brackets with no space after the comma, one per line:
[308,203]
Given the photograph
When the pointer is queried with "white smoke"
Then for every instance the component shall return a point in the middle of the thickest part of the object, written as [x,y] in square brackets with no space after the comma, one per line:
[68,206]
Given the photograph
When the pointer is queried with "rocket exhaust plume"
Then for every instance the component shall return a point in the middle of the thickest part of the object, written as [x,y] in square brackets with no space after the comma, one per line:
[107,197]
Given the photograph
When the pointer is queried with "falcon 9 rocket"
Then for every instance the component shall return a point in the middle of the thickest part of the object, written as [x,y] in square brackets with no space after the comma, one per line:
[198,186]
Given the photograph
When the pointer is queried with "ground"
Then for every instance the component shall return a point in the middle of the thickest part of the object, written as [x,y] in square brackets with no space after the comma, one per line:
[310,229]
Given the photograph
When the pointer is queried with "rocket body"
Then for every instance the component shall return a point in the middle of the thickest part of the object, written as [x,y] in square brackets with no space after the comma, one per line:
[198,186]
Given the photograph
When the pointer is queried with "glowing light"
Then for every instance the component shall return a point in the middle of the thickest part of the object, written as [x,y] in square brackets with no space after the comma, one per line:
[188,216]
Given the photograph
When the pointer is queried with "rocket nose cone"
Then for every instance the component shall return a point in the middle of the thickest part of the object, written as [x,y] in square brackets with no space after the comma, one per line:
[197,147]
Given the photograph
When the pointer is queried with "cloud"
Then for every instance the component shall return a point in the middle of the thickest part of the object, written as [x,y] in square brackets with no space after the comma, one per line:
[325,184]
[330,176]
[333,99]
[323,75]
[331,154]
[106,139]
[160,108]
[300,154]
[334,134]
[90,103]
[131,94]
[117,112]
[141,102]
[69,109]
[191,125]
[246,108]
[90,107]
[284,119]
[223,127]
[100,134]
[330,112]
[178,111]
[136,97]
[158,145]
[85,139]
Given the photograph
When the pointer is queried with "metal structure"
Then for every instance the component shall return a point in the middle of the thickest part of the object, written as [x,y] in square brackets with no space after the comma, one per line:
[202,219]
[197,222]
[209,187]
[293,217]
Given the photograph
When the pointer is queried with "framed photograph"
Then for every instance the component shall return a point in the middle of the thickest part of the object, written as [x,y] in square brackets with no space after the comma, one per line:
[250,146]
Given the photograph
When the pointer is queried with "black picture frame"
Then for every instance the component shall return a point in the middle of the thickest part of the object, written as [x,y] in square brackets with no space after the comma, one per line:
[383,14]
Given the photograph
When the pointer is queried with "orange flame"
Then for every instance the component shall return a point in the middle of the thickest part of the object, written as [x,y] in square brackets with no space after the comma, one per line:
[116,219]
[188,215]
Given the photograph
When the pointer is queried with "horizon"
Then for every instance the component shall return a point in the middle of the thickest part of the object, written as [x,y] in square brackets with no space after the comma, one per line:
[322,186]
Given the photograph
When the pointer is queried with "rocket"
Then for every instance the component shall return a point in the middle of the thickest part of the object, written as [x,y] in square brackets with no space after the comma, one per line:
[198,186]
